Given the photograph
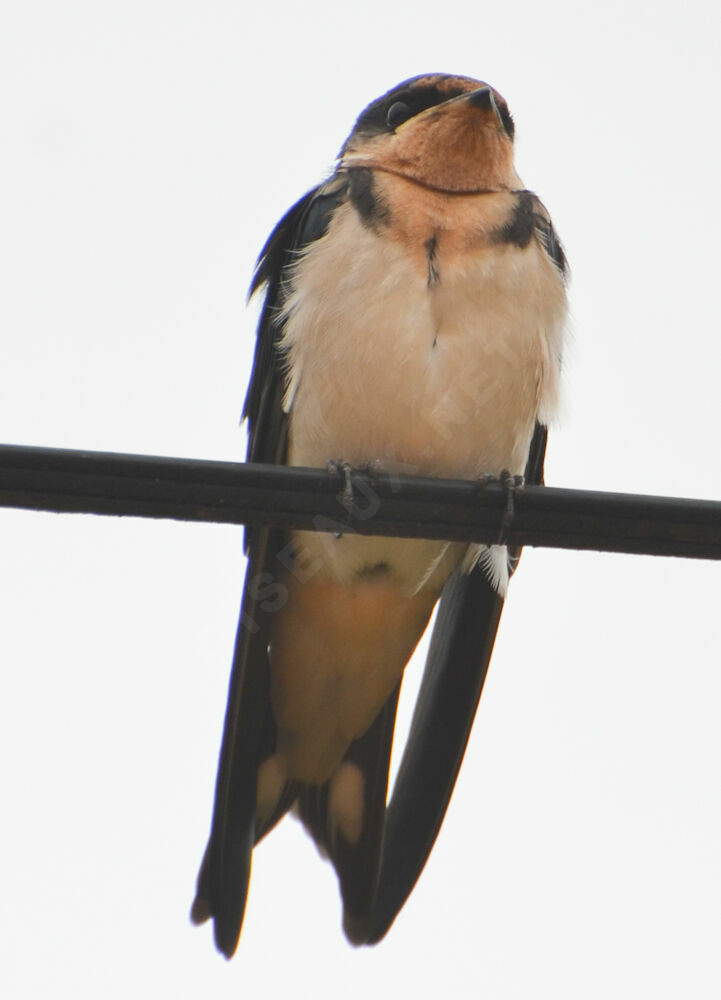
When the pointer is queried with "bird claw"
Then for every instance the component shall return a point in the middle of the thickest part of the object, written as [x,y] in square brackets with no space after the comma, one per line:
[374,469]
[337,468]
[359,498]
[513,487]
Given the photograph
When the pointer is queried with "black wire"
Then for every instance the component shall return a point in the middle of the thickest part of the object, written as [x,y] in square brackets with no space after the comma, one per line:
[70,481]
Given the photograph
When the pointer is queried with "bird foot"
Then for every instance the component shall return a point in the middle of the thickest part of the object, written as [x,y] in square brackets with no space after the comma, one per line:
[513,487]
[337,468]
[359,498]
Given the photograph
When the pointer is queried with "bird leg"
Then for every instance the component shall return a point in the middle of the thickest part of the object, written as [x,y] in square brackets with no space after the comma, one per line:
[513,487]
[336,468]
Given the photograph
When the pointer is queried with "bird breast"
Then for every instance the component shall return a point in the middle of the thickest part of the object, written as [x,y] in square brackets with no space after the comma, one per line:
[419,341]
[422,342]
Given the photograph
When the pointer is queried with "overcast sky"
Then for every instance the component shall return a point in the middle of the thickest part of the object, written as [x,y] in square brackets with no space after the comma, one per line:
[146,149]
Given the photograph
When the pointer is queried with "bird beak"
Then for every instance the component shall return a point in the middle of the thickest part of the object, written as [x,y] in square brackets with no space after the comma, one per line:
[483,98]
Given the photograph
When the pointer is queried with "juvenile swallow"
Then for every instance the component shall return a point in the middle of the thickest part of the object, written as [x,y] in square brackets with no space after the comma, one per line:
[413,319]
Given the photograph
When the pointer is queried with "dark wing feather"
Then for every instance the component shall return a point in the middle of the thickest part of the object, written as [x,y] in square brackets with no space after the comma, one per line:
[306,222]
[249,729]
[456,667]
[548,238]
[455,671]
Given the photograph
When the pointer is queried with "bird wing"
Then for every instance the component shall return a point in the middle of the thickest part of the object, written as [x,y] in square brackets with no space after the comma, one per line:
[460,650]
[249,730]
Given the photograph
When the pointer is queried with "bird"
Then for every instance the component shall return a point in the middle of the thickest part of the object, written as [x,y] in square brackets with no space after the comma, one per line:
[413,320]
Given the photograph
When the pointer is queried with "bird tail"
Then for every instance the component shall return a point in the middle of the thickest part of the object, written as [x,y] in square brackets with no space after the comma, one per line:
[346,818]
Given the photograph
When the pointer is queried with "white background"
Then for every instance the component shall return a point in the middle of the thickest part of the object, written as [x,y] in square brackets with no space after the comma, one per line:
[146,149]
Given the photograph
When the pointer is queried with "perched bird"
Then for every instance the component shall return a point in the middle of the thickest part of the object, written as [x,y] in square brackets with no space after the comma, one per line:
[413,320]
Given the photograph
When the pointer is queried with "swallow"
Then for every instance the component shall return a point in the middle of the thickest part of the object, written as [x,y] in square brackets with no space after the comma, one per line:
[413,320]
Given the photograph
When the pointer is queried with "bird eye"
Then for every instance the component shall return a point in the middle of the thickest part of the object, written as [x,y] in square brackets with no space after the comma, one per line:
[398,113]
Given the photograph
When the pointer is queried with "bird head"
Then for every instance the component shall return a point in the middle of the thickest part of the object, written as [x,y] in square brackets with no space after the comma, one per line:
[448,133]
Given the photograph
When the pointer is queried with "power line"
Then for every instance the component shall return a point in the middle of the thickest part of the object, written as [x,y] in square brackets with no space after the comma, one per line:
[70,481]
